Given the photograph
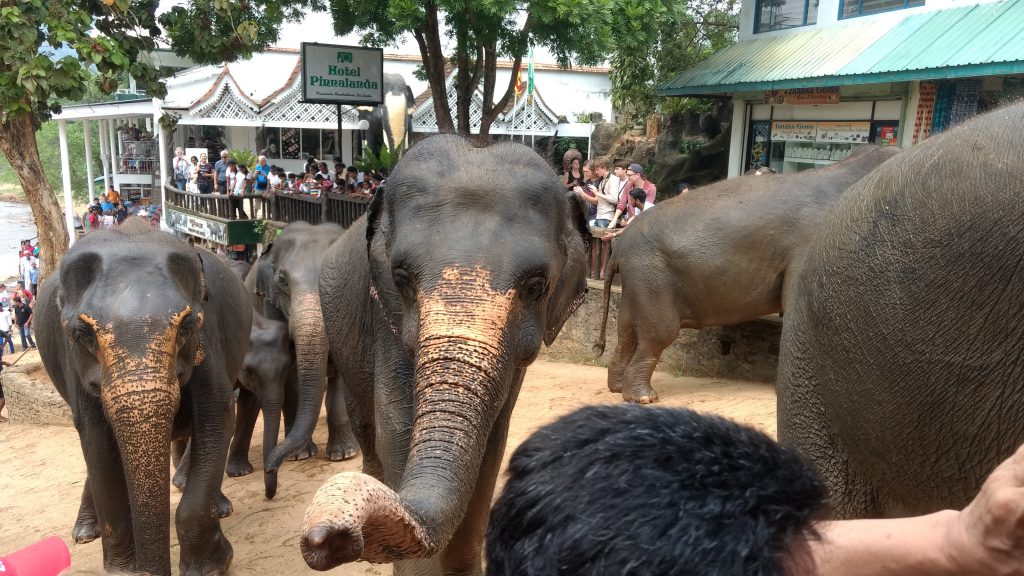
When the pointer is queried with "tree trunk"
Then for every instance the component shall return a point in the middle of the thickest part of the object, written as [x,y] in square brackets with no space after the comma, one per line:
[18,143]
[429,41]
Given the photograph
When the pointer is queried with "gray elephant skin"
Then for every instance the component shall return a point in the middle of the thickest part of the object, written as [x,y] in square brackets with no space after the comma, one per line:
[144,337]
[900,374]
[435,304]
[720,255]
[284,288]
[390,123]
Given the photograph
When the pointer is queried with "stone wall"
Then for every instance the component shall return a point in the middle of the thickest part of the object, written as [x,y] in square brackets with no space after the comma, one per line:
[32,399]
[753,346]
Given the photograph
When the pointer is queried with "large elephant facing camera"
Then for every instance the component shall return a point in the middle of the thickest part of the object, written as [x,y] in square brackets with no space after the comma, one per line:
[144,336]
[901,375]
[436,304]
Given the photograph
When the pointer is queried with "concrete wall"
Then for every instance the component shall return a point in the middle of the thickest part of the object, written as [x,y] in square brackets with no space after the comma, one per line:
[753,356]
[32,399]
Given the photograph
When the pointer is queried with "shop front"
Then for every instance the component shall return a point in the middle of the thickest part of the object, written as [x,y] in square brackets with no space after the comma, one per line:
[795,137]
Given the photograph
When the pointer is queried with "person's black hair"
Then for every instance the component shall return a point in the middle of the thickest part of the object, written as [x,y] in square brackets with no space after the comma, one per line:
[638,194]
[351,169]
[629,489]
[232,163]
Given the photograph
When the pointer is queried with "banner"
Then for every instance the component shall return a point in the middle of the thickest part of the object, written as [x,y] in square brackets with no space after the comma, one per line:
[855,132]
[794,131]
[196,226]
[336,74]
[803,96]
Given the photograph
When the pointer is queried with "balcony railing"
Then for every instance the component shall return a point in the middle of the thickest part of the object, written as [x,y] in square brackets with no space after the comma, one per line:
[254,205]
[342,209]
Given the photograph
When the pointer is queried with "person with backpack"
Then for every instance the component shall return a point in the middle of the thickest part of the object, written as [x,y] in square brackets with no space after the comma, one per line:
[180,168]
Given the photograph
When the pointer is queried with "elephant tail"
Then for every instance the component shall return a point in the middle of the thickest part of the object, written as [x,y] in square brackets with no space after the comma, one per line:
[609,277]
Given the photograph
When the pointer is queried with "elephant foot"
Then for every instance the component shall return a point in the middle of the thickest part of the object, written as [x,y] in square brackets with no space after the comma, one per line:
[642,395]
[308,451]
[347,447]
[224,506]
[614,386]
[212,559]
[85,530]
[239,467]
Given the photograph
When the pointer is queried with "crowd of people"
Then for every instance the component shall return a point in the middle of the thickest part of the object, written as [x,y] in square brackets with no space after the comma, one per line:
[16,306]
[105,212]
[235,179]
[615,193]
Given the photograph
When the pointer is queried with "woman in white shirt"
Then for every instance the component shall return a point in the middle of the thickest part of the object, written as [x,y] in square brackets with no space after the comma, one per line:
[608,194]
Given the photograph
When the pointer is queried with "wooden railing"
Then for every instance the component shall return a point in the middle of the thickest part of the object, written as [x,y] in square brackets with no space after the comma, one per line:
[342,209]
[254,205]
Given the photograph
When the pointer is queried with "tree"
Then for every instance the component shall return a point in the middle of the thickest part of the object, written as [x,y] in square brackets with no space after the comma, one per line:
[111,37]
[654,41]
[483,31]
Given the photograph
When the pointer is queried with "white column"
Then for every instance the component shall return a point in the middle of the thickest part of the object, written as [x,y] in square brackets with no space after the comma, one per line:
[736,144]
[162,155]
[65,173]
[88,159]
[112,148]
[104,159]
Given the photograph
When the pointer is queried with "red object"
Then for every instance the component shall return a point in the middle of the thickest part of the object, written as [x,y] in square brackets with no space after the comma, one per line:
[48,557]
[520,85]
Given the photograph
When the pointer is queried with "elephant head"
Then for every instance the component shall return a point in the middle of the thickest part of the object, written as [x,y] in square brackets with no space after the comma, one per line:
[284,281]
[390,123]
[476,256]
[132,314]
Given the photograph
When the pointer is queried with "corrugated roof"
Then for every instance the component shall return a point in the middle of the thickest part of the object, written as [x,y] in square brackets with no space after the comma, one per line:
[976,40]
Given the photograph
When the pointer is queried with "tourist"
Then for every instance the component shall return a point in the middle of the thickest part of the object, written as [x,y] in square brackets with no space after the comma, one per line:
[573,177]
[3,363]
[204,180]
[23,318]
[193,175]
[180,168]
[261,176]
[113,196]
[6,322]
[637,179]
[607,193]
[586,190]
[33,276]
[236,201]
[221,170]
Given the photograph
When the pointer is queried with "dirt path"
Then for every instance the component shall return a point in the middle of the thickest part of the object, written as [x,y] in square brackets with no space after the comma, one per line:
[41,469]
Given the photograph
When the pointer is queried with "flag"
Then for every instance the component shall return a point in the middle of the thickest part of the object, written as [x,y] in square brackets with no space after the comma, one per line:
[520,85]
[529,79]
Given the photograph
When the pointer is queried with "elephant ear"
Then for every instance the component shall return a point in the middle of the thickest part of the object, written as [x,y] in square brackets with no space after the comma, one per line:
[382,285]
[571,289]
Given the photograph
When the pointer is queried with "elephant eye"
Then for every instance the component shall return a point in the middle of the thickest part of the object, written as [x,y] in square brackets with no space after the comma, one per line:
[404,283]
[533,288]
[82,335]
[282,281]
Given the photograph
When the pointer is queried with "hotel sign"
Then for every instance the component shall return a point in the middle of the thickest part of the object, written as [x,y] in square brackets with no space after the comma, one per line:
[337,74]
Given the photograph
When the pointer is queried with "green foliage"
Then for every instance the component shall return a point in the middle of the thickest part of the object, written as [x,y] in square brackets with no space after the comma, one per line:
[566,143]
[386,160]
[688,145]
[241,156]
[655,41]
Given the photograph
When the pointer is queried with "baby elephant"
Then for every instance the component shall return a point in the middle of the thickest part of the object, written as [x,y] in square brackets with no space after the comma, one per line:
[144,337]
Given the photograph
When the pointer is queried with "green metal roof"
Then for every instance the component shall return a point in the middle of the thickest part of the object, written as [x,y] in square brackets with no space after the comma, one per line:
[978,40]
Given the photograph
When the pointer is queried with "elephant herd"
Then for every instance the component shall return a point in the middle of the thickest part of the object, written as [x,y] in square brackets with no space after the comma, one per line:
[900,377]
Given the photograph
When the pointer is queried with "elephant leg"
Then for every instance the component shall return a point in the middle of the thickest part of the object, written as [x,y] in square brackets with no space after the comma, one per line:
[341,442]
[204,548]
[87,527]
[660,329]
[625,347]
[247,411]
[108,485]
[290,414]
[180,479]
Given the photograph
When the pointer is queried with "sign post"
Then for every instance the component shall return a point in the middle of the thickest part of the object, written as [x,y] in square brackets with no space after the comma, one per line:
[337,74]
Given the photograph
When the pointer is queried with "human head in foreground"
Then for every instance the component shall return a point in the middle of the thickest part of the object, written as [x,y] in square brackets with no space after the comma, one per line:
[628,489]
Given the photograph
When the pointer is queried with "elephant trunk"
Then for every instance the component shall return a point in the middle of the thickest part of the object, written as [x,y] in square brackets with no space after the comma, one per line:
[307,327]
[461,373]
[140,395]
[270,404]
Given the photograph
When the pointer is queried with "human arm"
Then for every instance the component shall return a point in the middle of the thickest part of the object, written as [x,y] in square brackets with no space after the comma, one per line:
[986,537]
[586,197]
[615,218]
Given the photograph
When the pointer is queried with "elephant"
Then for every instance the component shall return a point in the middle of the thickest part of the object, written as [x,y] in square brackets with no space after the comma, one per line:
[390,123]
[900,373]
[284,287]
[717,256]
[144,336]
[436,302]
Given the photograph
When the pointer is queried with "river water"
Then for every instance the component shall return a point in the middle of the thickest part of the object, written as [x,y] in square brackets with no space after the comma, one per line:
[17,225]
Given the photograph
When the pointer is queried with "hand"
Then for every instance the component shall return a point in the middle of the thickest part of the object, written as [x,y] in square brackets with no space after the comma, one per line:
[987,537]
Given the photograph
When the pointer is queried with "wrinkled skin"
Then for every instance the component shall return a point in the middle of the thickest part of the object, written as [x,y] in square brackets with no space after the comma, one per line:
[284,288]
[435,305]
[900,374]
[723,254]
[144,337]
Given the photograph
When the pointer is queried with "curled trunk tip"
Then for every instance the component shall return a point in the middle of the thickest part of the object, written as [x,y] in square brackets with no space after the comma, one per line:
[345,507]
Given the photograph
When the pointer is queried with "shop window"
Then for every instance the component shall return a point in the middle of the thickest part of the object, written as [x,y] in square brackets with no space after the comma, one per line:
[290,143]
[781,14]
[854,8]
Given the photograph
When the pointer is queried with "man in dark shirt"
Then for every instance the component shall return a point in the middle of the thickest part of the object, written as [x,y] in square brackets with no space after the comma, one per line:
[23,318]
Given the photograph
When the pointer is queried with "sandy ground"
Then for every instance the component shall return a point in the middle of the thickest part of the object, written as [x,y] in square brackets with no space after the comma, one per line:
[41,469]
